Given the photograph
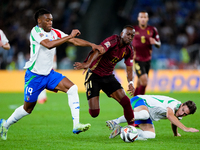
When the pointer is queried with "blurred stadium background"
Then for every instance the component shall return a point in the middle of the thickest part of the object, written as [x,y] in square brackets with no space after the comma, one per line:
[175,66]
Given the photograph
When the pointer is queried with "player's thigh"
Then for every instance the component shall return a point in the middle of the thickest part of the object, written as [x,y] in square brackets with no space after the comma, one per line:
[56,81]
[147,127]
[94,103]
[139,108]
[118,94]
[34,84]
[143,79]
[64,85]
[140,68]
[112,88]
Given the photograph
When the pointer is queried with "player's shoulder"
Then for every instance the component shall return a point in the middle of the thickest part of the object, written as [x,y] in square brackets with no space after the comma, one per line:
[36,29]
[152,27]
[115,36]
[112,39]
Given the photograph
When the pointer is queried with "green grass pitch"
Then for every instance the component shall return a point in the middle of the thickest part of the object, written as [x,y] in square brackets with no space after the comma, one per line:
[49,127]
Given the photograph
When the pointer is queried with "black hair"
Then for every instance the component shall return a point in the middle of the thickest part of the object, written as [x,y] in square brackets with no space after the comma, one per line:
[128,26]
[39,13]
[191,105]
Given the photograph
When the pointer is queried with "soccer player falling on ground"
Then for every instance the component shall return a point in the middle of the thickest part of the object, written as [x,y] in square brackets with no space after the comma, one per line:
[145,37]
[148,108]
[39,75]
[100,73]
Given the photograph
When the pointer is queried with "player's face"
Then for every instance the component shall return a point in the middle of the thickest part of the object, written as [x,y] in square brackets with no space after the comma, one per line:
[143,18]
[182,111]
[45,21]
[127,35]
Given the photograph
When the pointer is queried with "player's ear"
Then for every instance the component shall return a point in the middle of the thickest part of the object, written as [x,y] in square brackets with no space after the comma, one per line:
[39,20]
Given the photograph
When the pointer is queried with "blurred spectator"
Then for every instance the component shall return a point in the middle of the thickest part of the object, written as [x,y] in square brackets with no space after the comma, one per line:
[177,22]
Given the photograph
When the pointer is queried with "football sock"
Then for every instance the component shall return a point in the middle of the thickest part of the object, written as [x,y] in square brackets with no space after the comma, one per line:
[121,119]
[136,91]
[73,101]
[17,115]
[141,90]
[94,112]
[146,134]
[141,115]
[128,111]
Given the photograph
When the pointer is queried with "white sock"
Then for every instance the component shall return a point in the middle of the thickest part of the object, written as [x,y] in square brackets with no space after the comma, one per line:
[121,119]
[17,115]
[141,115]
[73,101]
[146,134]
[42,95]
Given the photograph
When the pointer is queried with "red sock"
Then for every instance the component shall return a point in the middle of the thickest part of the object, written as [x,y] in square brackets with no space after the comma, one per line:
[94,112]
[136,91]
[141,90]
[128,111]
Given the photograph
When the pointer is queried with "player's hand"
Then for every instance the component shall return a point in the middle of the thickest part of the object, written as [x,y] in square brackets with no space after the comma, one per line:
[75,32]
[78,66]
[191,130]
[99,48]
[152,40]
[131,89]
[178,134]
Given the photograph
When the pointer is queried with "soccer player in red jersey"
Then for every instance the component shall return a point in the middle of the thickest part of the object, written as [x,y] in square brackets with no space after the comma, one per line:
[100,73]
[145,37]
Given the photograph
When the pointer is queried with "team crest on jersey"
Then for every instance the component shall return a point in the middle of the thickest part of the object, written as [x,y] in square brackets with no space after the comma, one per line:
[107,44]
[148,32]
[27,98]
[41,34]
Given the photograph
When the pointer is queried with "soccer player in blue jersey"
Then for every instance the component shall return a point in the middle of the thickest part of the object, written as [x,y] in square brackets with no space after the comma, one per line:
[39,74]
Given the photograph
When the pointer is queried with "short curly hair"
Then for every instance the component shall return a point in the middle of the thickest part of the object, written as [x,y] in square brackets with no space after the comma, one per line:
[39,13]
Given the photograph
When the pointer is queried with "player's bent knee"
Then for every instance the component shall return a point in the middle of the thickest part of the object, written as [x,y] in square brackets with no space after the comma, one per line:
[142,115]
[149,135]
[73,89]
[94,112]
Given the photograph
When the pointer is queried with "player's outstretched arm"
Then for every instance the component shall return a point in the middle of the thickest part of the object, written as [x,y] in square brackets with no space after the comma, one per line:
[130,78]
[85,65]
[5,46]
[176,122]
[84,43]
[51,44]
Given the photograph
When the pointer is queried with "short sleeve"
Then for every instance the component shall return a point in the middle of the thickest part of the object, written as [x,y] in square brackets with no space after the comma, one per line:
[38,35]
[109,42]
[3,37]
[59,33]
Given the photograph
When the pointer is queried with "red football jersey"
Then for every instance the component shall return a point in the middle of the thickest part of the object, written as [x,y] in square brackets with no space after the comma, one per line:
[104,65]
[141,43]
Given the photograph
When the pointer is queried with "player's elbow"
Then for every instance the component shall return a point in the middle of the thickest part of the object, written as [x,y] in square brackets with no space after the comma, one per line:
[6,46]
